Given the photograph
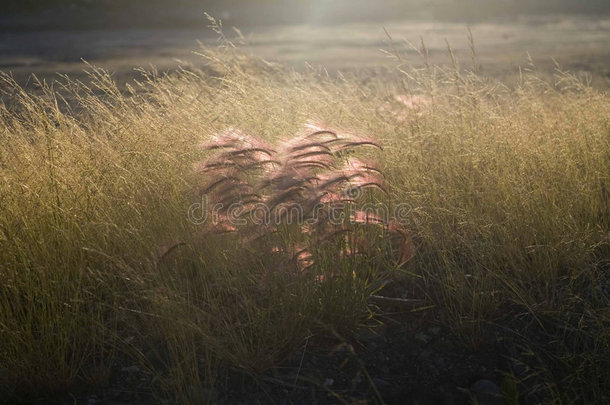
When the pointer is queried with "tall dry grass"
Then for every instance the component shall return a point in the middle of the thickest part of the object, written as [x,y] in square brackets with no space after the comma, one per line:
[508,196]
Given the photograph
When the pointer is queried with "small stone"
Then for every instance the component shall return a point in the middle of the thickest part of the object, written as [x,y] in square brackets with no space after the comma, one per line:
[425,354]
[485,386]
[422,337]
[381,384]
[487,392]
[329,382]
[131,369]
[435,330]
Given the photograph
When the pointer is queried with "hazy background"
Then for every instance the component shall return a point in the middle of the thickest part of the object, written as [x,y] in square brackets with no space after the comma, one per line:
[48,36]
[167,13]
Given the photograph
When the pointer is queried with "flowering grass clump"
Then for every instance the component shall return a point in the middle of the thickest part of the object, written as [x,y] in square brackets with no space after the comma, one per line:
[308,193]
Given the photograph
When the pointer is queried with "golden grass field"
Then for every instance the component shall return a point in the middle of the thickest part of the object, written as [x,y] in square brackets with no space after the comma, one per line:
[509,212]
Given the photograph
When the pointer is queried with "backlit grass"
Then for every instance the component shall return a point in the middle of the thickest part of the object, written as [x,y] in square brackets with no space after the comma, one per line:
[508,203]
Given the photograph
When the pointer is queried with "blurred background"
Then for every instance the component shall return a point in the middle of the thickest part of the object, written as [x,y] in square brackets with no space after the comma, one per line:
[170,13]
[48,36]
